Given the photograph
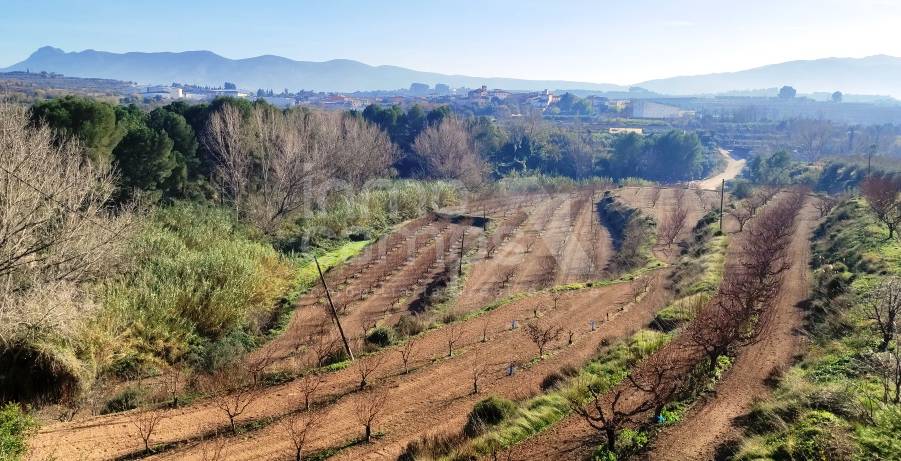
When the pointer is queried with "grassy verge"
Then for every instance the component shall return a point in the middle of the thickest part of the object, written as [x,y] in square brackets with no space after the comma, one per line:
[831,404]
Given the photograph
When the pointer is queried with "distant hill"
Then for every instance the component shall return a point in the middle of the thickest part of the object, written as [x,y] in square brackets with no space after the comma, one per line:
[208,68]
[879,74]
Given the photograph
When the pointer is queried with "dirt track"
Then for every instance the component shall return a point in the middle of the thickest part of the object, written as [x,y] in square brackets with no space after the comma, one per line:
[710,424]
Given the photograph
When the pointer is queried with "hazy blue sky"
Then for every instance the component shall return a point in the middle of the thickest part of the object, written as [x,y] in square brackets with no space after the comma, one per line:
[598,41]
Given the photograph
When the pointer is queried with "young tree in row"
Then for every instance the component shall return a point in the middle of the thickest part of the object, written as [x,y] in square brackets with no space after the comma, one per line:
[542,336]
[146,420]
[885,309]
[297,428]
[368,409]
[407,353]
[673,224]
[882,193]
[233,388]
[367,367]
[452,334]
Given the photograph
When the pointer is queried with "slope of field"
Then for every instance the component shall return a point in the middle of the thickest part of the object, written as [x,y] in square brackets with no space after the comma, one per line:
[710,423]
[698,436]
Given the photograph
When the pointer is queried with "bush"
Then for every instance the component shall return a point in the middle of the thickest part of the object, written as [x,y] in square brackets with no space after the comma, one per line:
[409,325]
[15,427]
[380,336]
[488,412]
[128,399]
[556,378]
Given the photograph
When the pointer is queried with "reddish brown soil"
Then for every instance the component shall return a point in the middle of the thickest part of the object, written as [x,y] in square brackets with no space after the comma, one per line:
[436,395]
[710,423]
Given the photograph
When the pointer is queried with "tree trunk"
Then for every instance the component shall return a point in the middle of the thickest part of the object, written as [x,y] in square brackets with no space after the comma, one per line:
[368,435]
[298,456]
[611,439]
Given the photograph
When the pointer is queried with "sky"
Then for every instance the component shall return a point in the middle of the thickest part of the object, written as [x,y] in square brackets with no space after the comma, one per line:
[601,41]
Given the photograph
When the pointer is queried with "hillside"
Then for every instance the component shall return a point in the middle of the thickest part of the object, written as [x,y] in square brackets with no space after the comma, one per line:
[208,68]
[871,75]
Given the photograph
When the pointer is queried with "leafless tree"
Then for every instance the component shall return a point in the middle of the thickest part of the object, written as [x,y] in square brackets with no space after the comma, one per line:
[477,373]
[673,224]
[322,341]
[450,152]
[812,135]
[270,162]
[367,367]
[452,334]
[233,389]
[309,382]
[824,205]
[886,365]
[885,309]
[146,420]
[655,196]
[368,409]
[57,229]
[297,428]
[555,297]
[407,353]
[742,213]
[882,194]
[212,449]
[173,380]
[542,336]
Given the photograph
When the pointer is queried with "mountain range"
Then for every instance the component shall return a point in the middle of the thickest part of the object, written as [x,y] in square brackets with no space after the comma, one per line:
[879,74]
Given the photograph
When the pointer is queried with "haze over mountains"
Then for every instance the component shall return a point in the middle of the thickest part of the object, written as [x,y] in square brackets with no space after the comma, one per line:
[871,75]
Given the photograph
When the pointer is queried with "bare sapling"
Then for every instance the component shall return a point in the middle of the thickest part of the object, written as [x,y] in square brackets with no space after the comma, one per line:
[309,382]
[742,213]
[673,225]
[145,421]
[478,373]
[542,336]
[407,353]
[824,205]
[453,333]
[367,368]
[882,194]
[233,389]
[885,310]
[368,409]
[297,429]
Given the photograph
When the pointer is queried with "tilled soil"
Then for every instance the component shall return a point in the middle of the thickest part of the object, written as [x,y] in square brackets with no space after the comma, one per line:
[709,424]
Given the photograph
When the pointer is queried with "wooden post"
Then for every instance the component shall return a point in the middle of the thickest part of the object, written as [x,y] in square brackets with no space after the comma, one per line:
[722,200]
[462,241]
[334,311]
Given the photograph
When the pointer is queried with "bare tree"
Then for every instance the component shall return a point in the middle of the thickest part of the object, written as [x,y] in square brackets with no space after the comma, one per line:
[450,152]
[673,224]
[233,389]
[297,428]
[368,409]
[57,229]
[824,205]
[542,336]
[146,420]
[407,352]
[309,383]
[742,213]
[885,309]
[812,135]
[212,449]
[366,368]
[477,373]
[173,380]
[655,196]
[270,162]
[882,195]
[452,334]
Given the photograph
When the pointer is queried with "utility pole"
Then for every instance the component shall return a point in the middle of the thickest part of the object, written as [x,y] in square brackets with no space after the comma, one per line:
[334,311]
[722,202]
[462,240]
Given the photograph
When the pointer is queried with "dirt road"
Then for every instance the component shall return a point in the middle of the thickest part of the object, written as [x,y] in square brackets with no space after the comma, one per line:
[733,168]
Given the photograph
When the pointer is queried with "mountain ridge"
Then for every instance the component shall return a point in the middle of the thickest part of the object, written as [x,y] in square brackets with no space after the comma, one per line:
[873,75]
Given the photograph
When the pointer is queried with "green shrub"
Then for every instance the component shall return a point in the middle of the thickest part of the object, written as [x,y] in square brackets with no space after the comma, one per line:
[129,398]
[488,412]
[380,336]
[15,427]
[409,325]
